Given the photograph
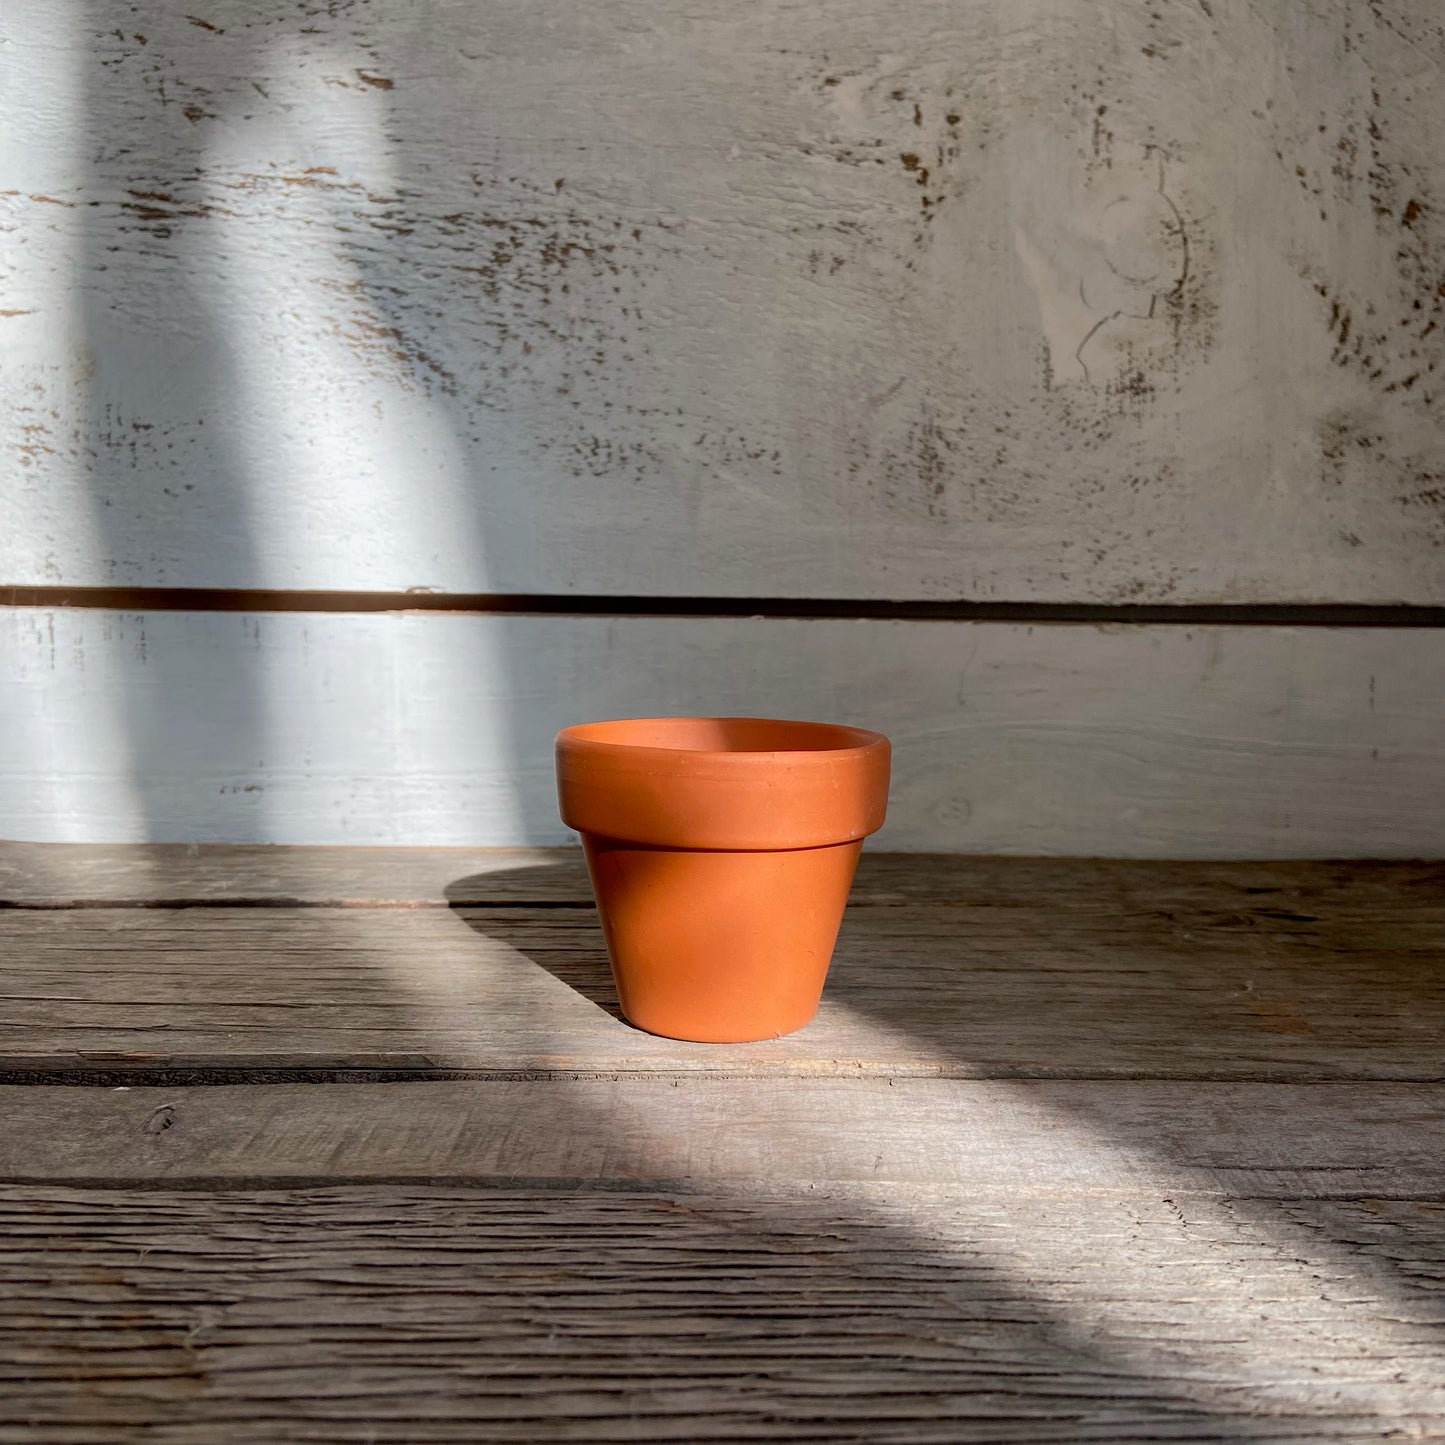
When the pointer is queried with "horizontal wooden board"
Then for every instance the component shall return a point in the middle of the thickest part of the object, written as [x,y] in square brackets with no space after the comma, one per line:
[1023,301]
[1010,967]
[991,1137]
[413,1315]
[148,875]
[1147,741]
[693,1258]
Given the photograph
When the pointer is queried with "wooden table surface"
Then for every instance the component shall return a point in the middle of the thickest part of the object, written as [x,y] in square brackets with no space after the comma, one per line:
[352,1145]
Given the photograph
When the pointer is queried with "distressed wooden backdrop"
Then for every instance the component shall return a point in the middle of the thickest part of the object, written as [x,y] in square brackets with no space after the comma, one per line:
[992,301]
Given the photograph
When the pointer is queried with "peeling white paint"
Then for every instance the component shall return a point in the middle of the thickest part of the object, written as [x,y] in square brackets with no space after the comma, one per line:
[1019,299]
[417,728]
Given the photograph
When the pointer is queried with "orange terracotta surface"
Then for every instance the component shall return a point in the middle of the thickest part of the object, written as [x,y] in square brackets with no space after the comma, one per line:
[721,852]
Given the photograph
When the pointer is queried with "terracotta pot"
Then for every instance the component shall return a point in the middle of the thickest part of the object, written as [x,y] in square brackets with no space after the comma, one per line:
[721,852]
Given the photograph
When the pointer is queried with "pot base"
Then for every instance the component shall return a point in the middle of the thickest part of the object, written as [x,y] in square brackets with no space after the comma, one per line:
[719,947]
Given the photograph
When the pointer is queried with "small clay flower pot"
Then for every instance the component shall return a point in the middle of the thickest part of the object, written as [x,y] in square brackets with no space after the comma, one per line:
[721,852]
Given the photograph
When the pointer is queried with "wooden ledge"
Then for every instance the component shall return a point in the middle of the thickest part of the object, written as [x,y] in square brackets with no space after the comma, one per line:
[437,963]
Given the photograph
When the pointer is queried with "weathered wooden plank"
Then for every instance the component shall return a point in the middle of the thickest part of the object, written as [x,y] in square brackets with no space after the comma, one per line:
[1267,1140]
[425,1314]
[996,967]
[1074,740]
[65,875]
[1030,300]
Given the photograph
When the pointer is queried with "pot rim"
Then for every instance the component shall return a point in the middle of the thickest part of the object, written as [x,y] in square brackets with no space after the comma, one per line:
[830,787]
[848,742]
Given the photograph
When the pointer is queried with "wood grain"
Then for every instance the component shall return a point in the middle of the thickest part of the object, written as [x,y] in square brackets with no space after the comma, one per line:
[1180,742]
[146,875]
[1217,984]
[414,1314]
[948,967]
[648,1246]
[994,1137]
[1026,301]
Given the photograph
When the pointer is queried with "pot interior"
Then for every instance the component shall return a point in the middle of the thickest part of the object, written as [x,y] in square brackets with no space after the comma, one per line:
[724,735]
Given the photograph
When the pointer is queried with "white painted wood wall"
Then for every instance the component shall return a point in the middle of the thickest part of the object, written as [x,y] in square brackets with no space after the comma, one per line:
[1007,300]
